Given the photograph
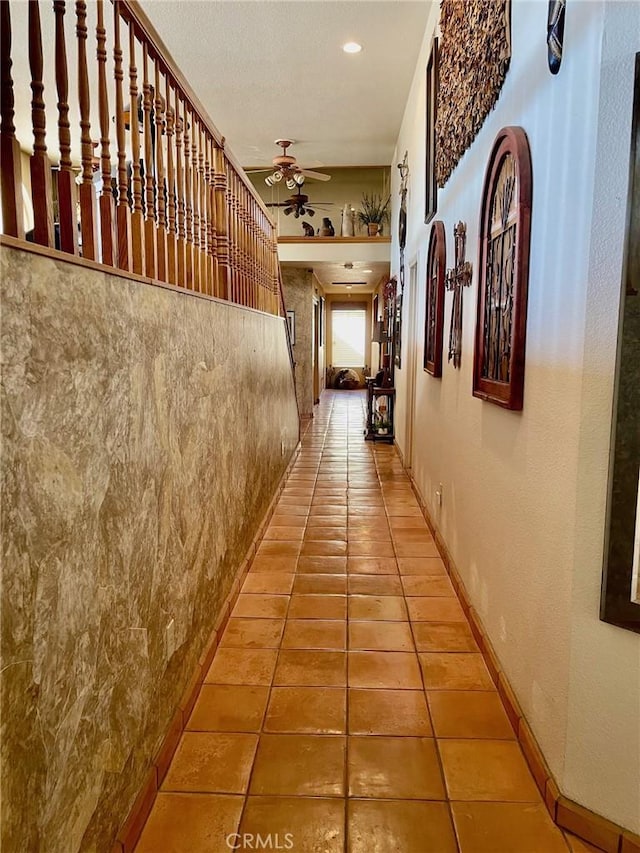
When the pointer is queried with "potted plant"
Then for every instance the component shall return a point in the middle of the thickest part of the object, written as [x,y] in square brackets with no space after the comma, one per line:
[374,212]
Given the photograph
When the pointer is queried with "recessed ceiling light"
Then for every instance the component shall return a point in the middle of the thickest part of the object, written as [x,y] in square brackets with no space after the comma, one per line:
[367,270]
[348,287]
[352,47]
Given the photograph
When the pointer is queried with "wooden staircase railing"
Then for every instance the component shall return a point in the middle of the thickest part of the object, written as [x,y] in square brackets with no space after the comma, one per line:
[164,198]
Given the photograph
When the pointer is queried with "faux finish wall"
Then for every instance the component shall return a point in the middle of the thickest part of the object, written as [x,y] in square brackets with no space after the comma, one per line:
[524,494]
[297,286]
[144,433]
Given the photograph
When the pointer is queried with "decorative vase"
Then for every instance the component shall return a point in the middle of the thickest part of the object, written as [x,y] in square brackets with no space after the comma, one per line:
[347,221]
[373,228]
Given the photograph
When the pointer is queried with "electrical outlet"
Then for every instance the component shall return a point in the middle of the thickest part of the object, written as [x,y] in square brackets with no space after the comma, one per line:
[170,638]
[439,495]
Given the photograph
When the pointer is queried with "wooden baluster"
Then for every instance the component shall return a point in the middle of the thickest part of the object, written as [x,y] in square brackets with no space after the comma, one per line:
[222,223]
[211,227]
[123,213]
[187,199]
[171,193]
[195,198]
[106,201]
[160,180]
[87,191]
[180,243]
[150,243]
[40,167]
[206,284]
[67,218]
[233,244]
[11,184]
[137,218]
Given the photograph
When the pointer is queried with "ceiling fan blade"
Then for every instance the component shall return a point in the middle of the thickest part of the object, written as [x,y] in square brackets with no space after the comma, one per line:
[318,176]
[257,171]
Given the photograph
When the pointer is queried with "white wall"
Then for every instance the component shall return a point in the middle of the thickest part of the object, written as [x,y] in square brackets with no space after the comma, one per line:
[524,493]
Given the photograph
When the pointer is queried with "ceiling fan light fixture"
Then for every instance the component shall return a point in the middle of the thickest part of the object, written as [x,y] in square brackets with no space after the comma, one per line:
[291,184]
[298,178]
[352,47]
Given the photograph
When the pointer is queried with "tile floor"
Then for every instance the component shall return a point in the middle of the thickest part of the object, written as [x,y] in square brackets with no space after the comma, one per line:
[348,707]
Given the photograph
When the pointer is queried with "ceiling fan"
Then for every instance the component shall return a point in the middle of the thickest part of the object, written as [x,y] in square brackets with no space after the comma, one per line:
[287,168]
[298,204]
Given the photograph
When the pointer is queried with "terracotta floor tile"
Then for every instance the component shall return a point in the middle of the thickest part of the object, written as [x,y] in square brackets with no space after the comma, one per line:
[300,765]
[395,670]
[381,636]
[274,583]
[370,549]
[388,712]
[310,825]
[193,822]
[444,637]
[469,714]
[390,608]
[323,565]
[416,549]
[229,708]
[279,548]
[288,533]
[516,827]
[374,585]
[378,826]
[408,523]
[326,522]
[455,671]
[432,566]
[324,548]
[322,509]
[316,584]
[292,506]
[425,609]
[311,668]
[577,845]
[421,585]
[336,533]
[274,563]
[487,770]
[242,666]
[307,710]
[315,634]
[318,607]
[372,565]
[253,633]
[261,606]
[358,534]
[368,513]
[219,762]
[395,767]
[282,519]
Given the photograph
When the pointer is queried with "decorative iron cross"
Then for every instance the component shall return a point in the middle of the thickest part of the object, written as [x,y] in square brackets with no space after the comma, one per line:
[457,278]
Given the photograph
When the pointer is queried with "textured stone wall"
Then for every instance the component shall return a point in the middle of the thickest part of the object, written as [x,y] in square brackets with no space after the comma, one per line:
[144,433]
[298,296]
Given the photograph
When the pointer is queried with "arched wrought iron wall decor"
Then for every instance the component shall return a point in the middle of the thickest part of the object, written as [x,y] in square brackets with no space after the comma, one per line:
[434,309]
[503,271]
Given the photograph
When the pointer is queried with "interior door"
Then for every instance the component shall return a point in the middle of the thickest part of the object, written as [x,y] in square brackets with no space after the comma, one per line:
[410,357]
[316,351]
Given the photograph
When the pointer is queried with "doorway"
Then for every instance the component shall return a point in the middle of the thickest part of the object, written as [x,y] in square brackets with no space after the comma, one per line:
[410,354]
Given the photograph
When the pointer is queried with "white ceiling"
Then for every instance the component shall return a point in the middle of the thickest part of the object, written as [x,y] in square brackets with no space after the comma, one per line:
[267,69]
[334,276]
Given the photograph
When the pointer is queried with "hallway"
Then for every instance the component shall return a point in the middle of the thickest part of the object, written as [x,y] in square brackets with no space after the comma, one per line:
[348,707]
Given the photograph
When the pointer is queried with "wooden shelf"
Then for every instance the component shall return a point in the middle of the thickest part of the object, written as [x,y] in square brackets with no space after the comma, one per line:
[306,240]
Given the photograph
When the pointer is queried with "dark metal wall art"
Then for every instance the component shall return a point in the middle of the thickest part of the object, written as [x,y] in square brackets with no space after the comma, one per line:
[457,278]
[431,101]
[555,34]
[503,272]
[402,239]
[434,309]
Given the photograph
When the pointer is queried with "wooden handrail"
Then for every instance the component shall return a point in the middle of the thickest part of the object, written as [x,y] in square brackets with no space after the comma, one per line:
[162,197]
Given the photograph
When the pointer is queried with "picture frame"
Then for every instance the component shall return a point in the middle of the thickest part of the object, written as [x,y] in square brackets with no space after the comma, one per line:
[291,323]
[435,286]
[431,114]
[503,271]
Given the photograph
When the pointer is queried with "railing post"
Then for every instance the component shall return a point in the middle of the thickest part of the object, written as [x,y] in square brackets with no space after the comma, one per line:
[150,248]
[87,193]
[181,270]
[189,279]
[122,211]
[106,201]
[222,222]
[161,232]
[11,184]
[137,220]
[171,193]
[67,195]
[40,166]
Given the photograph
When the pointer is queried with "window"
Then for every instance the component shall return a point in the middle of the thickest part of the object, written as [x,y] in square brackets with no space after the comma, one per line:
[505,225]
[348,337]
